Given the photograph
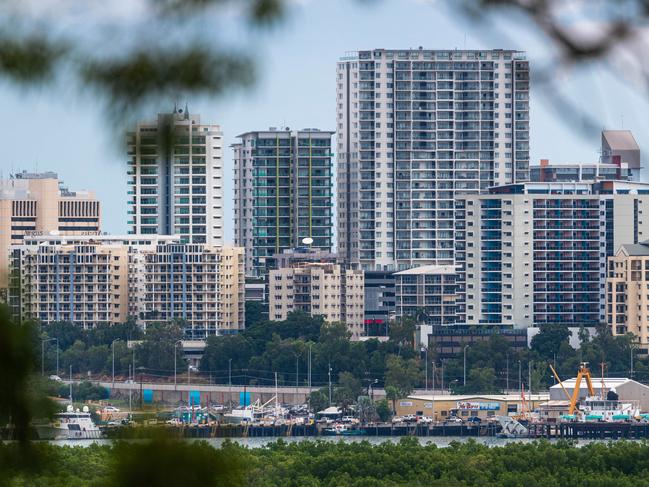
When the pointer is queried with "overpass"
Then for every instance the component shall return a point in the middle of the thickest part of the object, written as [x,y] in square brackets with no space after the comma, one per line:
[163,392]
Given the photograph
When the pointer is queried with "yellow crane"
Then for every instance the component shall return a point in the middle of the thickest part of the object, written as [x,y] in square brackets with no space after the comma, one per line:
[582,373]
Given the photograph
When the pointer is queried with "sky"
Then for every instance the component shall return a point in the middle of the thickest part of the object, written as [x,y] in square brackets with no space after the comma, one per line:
[68,132]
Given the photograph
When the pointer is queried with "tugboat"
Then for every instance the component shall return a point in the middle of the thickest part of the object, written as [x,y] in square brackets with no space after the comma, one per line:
[70,425]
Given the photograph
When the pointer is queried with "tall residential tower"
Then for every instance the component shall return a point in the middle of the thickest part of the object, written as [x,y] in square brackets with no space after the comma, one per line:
[175,169]
[415,128]
[282,193]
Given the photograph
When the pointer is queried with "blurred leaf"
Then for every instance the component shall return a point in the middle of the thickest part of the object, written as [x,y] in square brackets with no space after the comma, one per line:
[158,73]
[164,462]
[29,60]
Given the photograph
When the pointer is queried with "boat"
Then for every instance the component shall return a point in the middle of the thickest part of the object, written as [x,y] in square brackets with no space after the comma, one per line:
[604,407]
[340,429]
[511,428]
[70,425]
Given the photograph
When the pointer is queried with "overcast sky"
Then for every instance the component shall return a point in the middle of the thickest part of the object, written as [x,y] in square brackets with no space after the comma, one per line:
[59,131]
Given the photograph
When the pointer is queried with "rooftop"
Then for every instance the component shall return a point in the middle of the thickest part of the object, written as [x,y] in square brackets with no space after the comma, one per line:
[639,249]
[609,383]
[428,269]
[544,396]
[620,140]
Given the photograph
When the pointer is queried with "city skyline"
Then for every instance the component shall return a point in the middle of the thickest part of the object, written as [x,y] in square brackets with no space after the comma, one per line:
[284,95]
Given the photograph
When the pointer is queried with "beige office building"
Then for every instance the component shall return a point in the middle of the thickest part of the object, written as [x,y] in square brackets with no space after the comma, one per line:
[324,289]
[107,279]
[38,204]
[627,293]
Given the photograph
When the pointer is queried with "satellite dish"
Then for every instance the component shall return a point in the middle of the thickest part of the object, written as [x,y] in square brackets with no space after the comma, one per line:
[307,241]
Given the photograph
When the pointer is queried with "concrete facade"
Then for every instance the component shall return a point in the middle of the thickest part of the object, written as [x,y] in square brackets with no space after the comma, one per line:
[415,128]
[536,253]
[175,177]
[282,193]
[107,279]
[324,289]
[428,290]
[39,204]
[627,293]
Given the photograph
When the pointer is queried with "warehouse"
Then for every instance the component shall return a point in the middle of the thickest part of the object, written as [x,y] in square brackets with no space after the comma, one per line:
[626,389]
[441,406]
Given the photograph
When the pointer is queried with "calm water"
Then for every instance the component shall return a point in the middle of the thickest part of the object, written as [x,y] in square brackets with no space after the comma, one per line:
[441,441]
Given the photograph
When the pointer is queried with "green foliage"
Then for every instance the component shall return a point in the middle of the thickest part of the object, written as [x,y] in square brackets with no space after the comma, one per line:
[255,312]
[84,391]
[164,462]
[383,410]
[402,374]
[348,389]
[549,340]
[156,352]
[318,400]
[22,395]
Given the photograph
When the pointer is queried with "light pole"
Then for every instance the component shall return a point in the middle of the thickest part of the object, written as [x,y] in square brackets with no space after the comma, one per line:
[465,347]
[425,350]
[230,380]
[309,368]
[631,353]
[175,365]
[43,342]
[112,346]
[507,374]
[520,379]
[329,373]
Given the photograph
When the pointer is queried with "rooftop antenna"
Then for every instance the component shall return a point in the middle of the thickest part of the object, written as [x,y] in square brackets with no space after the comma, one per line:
[186,112]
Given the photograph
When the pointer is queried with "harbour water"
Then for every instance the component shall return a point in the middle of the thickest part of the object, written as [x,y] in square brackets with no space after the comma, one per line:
[440,441]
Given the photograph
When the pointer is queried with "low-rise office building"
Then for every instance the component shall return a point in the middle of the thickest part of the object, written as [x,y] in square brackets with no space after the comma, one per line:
[324,289]
[96,280]
[441,406]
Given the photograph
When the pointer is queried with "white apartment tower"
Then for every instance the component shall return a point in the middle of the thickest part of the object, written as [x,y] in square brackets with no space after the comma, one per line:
[415,128]
[175,170]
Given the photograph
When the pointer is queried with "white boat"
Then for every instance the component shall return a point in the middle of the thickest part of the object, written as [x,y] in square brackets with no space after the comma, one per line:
[597,409]
[70,425]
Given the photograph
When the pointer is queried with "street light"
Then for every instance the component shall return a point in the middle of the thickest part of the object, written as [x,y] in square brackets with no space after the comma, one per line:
[465,347]
[112,345]
[425,350]
[507,388]
[43,342]
[175,370]
[230,381]
[329,373]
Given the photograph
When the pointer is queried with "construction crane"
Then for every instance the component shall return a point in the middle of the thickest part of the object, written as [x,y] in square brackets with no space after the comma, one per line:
[582,373]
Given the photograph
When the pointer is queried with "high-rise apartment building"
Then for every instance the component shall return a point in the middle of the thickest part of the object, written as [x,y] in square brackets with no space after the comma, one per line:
[39,204]
[535,253]
[104,279]
[324,289]
[175,171]
[282,193]
[415,128]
